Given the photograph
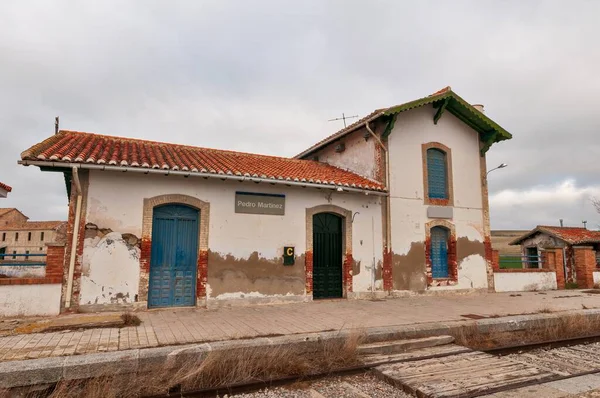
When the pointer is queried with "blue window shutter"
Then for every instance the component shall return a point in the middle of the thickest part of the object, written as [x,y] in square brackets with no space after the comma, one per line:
[439,252]
[437,176]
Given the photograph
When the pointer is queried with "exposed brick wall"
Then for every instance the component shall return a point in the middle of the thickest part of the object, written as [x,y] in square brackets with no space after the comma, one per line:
[585,265]
[347,272]
[495,260]
[29,281]
[559,268]
[552,261]
[55,260]
[388,282]
[202,274]
[548,259]
[308,271]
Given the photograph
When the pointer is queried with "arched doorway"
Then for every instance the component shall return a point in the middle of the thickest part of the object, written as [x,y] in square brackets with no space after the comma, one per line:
[439,252]
[327,256]
[174,256]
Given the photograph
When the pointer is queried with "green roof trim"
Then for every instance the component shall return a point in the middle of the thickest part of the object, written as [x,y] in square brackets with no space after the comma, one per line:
[490,131]
[390,126]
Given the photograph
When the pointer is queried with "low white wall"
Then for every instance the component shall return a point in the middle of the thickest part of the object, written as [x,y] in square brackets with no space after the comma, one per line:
[16,271]
[30,300]
[524,281]
[596,277]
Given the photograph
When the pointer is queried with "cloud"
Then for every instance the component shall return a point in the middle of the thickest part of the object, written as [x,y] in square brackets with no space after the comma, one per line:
[545,204]
[265,76]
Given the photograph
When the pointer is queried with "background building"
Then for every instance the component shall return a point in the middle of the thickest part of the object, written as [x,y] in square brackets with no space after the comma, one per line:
[20,237]
[4,190]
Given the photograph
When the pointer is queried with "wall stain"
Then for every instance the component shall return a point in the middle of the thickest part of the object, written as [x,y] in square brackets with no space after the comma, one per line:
[409,269]
[379,271]
[355,267]
[229,274]
[466,248]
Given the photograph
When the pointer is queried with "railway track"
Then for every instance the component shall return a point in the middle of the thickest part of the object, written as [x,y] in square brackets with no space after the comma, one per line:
[436,368]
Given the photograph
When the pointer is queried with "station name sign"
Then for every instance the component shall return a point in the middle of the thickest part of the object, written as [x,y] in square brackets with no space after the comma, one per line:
[259,203]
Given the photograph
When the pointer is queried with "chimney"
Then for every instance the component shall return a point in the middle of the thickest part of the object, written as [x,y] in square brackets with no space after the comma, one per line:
[561,223]
[584,224]
[479,107]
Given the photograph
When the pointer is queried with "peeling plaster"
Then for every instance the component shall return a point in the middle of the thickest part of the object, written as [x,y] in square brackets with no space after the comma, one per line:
[409,270]
[228,274]
[110,268]
[466,248]
[355,267]
[242,295]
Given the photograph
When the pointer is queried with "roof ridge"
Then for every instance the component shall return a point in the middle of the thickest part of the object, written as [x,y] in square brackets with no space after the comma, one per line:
[558,226]
[445,93]
[376,113]
[115,137]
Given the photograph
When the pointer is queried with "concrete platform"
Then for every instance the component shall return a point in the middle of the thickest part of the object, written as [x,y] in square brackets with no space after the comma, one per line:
[190,325]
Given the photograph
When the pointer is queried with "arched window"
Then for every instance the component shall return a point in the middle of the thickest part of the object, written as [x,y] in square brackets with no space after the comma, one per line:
[437,174]
[439,252]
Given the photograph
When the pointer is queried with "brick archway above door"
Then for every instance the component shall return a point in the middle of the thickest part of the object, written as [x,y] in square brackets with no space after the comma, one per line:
[346,216]
[146,244]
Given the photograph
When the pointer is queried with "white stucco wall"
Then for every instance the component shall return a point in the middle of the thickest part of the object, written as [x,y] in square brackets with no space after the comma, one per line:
[524,281]
[358,156]
[408,210]
[30,300]
[115,201]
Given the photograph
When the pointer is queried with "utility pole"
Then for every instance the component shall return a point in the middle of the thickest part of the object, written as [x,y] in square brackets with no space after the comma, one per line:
[344,117]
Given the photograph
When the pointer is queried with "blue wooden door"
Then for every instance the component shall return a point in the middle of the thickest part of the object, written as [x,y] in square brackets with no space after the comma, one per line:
[174,256]
[439,252]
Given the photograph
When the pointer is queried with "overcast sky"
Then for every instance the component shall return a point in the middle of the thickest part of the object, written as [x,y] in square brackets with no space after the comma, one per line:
[265,76]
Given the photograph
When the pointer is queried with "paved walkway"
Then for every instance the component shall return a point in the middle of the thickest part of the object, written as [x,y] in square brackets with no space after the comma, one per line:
[181,326]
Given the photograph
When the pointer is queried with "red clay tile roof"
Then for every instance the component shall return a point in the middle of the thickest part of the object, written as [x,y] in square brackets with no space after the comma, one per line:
[571,235]
[78,147]
[33,226]
[5,187]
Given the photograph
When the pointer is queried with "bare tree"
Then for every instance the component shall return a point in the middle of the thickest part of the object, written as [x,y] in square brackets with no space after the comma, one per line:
[596,203]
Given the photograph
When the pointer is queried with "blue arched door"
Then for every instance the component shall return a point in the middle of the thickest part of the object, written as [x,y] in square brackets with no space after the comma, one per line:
[174,256]
[439,252]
